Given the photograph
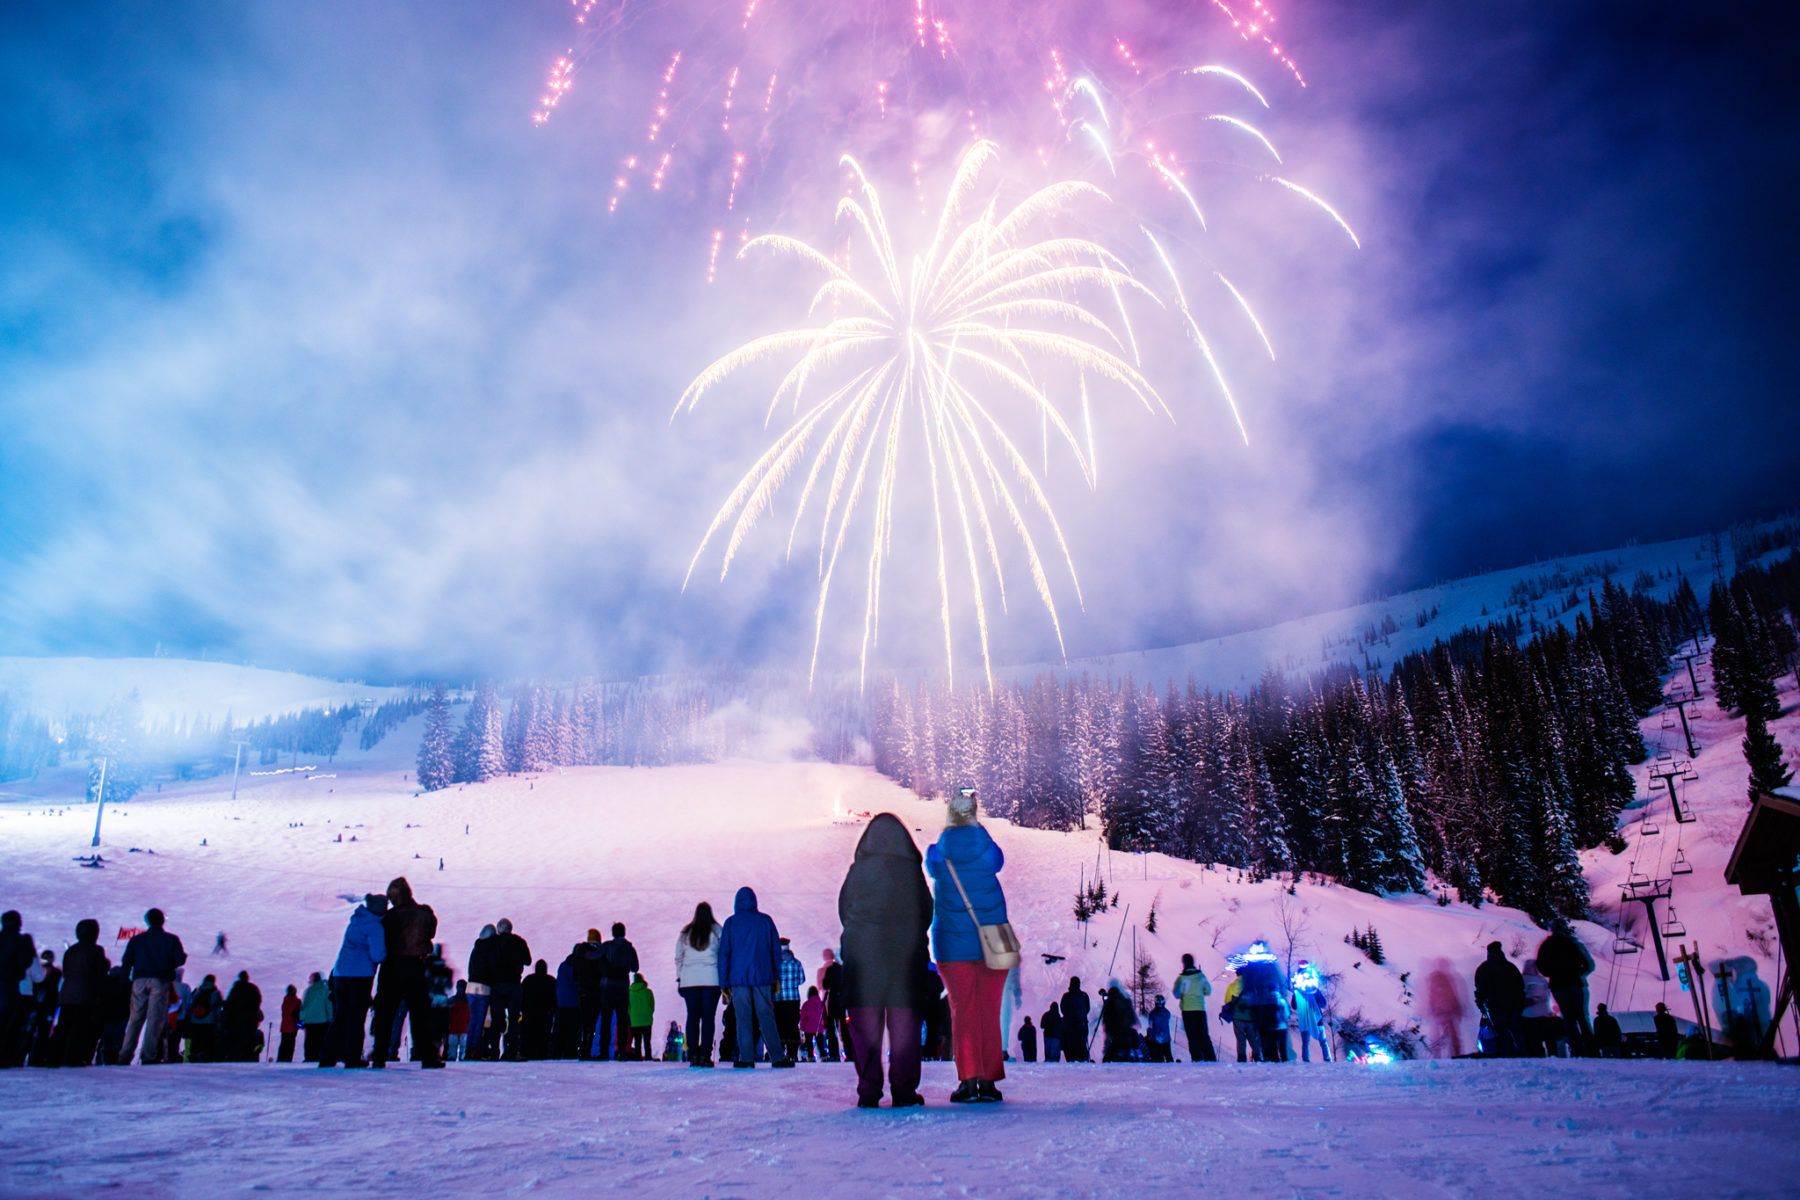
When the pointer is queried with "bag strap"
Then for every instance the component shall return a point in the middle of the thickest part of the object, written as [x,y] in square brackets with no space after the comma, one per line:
[957,880]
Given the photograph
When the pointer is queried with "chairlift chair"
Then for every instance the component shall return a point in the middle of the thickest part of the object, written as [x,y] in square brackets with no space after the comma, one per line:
[1624,945]
[1648,828]
[1681,865]
[1637,879]
[1673,928]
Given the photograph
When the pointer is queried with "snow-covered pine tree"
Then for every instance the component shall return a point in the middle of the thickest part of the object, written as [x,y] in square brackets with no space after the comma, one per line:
[437,749]
[1762,753]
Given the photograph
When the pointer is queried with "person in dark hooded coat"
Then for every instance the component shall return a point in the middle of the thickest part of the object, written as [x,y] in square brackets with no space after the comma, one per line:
[83,994]
[885,907]
[749,956]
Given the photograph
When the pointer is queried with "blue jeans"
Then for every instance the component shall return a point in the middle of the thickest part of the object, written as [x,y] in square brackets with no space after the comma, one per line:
[478,1006]
[760,1028]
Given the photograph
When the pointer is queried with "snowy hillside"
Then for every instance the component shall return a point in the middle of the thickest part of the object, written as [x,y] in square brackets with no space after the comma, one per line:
[172,689]
[1380,632]
[561,852]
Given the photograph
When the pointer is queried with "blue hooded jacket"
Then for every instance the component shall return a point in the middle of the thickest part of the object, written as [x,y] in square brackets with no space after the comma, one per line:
[365,945]
[750,948]
[978,860]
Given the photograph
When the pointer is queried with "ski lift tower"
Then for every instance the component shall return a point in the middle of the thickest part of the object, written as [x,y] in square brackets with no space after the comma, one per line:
[1668,772]
[1639,890]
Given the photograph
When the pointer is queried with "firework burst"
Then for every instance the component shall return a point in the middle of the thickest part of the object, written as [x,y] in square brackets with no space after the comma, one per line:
[927,364]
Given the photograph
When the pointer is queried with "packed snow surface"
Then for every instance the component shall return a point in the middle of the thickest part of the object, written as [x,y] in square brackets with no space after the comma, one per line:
[1561,1128]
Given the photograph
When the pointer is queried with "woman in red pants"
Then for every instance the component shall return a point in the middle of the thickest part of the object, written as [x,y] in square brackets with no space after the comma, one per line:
[965,854]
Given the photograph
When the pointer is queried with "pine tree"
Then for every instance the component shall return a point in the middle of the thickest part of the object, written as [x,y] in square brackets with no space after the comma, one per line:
[481,752]
[437,750]
[1768,770]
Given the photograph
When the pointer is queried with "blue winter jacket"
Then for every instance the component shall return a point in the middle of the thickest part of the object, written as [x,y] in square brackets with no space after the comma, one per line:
[954,937]
[750,948]
[1159,1024]
[364,946]
[568,992]
[153,954]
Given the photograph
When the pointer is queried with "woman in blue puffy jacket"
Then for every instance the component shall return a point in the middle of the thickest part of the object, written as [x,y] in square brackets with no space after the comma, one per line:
[975,988]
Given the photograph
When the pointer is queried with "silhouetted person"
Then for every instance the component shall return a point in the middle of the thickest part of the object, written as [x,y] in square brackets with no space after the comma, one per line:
[83,995]
[1500,991]
[151,959]
[1566,963]
[409,928]
[885,910]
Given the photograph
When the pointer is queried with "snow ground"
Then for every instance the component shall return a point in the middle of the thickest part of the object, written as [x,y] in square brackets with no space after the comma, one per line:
[1467,1128]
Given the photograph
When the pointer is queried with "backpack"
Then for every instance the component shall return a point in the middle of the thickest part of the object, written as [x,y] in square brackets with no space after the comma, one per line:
[202,1007]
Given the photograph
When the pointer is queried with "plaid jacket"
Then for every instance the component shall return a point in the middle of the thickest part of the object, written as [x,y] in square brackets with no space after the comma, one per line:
[790,979]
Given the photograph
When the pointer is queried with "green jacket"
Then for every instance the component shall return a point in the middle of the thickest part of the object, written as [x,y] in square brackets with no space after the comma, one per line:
[1192,988]
[643,1003]
[315,1005]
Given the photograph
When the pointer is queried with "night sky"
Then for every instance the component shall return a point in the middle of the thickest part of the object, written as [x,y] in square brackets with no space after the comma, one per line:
[315,352]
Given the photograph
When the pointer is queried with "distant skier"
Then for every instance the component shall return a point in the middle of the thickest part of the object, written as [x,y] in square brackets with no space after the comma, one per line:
[965,864]
[1191,990]
[221,947]
[885,910]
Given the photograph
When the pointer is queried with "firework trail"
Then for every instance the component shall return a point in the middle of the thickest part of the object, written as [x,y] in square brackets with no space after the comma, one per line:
[718,108]
[931,356]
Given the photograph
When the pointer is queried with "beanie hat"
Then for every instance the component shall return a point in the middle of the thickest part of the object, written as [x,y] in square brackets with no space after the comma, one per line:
[962,806]
[375,903]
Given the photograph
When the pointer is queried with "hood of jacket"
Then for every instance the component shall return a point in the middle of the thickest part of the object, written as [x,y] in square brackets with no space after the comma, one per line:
[886,837]
[745,901]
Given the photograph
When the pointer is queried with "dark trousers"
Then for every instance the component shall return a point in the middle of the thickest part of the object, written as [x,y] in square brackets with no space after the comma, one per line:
[505,1003]
[1509,1033]
[565,1036]
[403,987]
[534,1036]
[702,1005]
[755,1009]
[1199,1037]
[901,1025]
[79,1029]
[590,1023]
[1572,999]
[836,1020]
[349,1020]
[286,1051]
[614,1029]
[313,1039]
[787,1024]
[203,1043]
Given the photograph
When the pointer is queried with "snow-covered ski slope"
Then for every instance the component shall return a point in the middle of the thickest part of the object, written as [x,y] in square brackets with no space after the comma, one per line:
[1483,1130]
[583,847]
[172,689]
[1381,632]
